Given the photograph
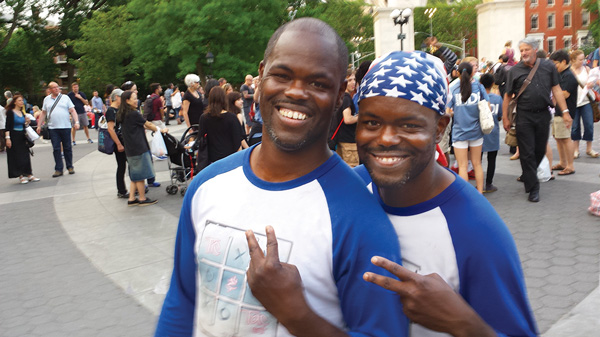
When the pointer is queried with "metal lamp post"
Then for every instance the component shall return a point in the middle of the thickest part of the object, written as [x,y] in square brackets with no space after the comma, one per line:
[210,59]
[401,17]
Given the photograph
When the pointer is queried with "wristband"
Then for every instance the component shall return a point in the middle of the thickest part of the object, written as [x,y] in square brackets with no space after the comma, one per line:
[565,110]
[76,122]
[7,137]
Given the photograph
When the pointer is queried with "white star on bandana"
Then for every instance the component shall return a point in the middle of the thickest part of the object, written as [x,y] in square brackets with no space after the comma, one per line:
[375,83]
[394,92]
[412,62]
[400,80]
[423,87]
[406,71]
[417,97]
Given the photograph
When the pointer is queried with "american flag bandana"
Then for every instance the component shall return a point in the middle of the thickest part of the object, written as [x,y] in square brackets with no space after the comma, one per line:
[415,76]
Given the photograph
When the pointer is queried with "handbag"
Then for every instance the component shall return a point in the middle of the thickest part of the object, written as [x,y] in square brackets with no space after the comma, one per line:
[591,95]
[105,143]
[486,119]
[511,137]
[202,156]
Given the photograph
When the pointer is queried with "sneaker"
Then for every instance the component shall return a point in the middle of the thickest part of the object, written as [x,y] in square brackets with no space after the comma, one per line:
[71,170]
[57,174]
[133,202]
[123,195]
[24,180]
[33,179]
[490,188]
[90,141]
[147,202]
[155,184]
[74,143]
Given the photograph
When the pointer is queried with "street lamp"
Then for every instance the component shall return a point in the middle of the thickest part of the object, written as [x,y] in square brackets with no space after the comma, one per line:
[210,59]
[429,12]
[401,17]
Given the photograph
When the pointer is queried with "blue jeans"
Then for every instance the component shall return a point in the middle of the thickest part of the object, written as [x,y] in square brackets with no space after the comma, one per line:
[57,137]
[585,114]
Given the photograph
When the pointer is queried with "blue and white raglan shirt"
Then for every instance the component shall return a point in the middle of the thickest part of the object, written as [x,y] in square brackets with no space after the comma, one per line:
[327,224]
[459,236]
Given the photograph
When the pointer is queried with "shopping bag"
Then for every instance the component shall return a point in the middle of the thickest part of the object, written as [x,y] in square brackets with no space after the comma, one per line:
[486,119]
[157,146]
[595,203]
[31,135]
[543,171]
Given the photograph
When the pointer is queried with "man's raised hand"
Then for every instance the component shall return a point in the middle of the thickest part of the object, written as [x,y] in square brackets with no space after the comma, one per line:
[278,286]
[429,301]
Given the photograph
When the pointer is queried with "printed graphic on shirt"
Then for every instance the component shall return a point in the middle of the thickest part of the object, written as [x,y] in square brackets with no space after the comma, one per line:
[225,302]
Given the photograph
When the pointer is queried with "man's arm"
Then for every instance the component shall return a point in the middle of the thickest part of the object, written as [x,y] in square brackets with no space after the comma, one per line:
[42,119]
[429,301]
[75,118]
[82,98]
[562,104]
[278,287]
[505,121]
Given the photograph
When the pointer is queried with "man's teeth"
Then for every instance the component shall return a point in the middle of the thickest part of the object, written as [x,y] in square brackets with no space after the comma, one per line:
[292,114]
[389,160]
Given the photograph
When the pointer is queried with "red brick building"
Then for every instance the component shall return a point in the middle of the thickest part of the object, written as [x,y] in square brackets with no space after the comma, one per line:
[557,23]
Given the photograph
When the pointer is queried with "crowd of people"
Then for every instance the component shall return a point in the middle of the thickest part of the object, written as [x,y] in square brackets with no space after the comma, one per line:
[347,233]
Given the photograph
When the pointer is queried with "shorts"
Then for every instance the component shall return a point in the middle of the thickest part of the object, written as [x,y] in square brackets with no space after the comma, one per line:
[465,144]
[348,153]
[140,167]
[559,130]
[83,120]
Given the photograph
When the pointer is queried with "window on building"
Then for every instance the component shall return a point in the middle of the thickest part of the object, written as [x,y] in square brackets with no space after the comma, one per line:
[585,18]
[568,41]
[566,2]
[534,22]
[551,44]
[550,2]
[534,3]
[551,20]
[567,19]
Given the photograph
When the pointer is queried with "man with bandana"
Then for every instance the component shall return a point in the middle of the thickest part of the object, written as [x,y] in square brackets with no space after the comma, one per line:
[461,272]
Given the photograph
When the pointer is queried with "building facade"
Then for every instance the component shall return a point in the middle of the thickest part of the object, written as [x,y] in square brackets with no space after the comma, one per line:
[558,24]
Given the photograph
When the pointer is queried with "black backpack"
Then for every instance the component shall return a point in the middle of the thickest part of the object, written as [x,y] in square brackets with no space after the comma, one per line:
[148,111]
[500,75]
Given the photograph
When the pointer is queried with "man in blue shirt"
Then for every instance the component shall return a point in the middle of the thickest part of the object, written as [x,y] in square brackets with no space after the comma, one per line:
[327,222]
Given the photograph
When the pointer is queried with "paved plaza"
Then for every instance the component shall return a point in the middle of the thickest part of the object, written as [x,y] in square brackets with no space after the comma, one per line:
[76,261]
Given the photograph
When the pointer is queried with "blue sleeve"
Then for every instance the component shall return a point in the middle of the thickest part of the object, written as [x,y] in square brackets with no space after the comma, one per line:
[177,315]
[596,54]
[491,278]
[362,230]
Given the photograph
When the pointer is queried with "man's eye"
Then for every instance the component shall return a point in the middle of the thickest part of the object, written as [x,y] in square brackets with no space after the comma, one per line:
[281,76]
[371,123]
[319,85]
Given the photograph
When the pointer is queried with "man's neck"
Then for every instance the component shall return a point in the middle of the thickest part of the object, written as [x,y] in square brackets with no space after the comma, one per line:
[430,183]
[530,65]
[54,95]
[272,164]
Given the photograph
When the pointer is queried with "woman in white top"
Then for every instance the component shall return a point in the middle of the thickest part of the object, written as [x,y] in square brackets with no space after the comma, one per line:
[583,113]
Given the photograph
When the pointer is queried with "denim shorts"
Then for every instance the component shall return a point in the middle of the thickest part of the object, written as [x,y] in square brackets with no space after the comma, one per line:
[140,167]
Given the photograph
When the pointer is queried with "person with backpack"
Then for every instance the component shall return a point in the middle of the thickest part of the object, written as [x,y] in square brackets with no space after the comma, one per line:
[500,74]
[154,109]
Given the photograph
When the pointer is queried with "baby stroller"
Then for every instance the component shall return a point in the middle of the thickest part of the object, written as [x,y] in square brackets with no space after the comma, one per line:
[181,159]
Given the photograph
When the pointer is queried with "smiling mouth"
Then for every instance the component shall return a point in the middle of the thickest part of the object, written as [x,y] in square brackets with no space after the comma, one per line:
[292,114]
[388,160]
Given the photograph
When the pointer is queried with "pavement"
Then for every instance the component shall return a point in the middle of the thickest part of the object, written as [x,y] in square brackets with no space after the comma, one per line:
[76,261]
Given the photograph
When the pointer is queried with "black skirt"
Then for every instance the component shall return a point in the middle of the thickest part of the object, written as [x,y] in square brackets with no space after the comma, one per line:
[18,156]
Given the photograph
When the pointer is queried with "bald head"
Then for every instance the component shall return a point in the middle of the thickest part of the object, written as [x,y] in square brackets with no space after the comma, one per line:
[311,25]
[249,79]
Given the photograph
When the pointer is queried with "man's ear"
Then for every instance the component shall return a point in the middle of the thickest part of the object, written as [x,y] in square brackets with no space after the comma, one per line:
[442,123]
[340,97]
[261,68]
